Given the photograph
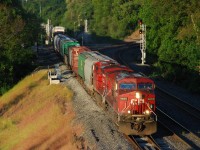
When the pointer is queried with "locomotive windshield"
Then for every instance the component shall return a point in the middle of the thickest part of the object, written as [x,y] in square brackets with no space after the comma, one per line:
[145,86]
[127,86]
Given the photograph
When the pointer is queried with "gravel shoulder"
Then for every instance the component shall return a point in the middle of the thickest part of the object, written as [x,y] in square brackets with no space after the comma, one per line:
[99,130]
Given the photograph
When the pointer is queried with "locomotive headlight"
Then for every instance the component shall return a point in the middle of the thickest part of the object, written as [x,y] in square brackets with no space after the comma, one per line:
[138,95]
[129,111]
[147,112]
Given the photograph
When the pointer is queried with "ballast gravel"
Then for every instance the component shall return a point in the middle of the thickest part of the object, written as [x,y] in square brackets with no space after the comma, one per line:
[99,130]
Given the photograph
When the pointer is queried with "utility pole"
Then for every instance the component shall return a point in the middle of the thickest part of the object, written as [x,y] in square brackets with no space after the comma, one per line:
[142,32]
[74,29]
[40,10]
[48,32]
[86,26]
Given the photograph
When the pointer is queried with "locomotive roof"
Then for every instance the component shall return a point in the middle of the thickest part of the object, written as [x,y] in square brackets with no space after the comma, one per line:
[123,75]
[115,67]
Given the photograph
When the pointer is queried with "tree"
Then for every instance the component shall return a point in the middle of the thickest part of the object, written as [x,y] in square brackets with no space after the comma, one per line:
[47,9]
[173,36]
[17,33]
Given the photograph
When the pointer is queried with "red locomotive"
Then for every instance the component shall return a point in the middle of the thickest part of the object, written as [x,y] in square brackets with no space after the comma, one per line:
[129,97]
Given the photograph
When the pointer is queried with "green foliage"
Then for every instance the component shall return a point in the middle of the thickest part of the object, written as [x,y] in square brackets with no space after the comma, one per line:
[4,89]
[173,35]
[173,28]
[113,18]
[77,11]
[17,33]
[10,2]
[47,9]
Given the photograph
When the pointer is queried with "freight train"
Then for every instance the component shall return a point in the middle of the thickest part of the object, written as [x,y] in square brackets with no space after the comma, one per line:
[128,97]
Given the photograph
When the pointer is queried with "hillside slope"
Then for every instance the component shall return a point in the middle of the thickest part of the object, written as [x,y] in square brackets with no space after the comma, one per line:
[36,115]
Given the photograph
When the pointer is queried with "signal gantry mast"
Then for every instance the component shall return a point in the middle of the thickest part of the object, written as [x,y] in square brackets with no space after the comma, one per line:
[142,32]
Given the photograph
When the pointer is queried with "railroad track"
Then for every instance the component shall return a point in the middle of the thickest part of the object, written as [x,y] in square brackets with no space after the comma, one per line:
[114,51]
[143,142]
[192,110]
[165,131]
[190,139]
[183,134]
[184,113]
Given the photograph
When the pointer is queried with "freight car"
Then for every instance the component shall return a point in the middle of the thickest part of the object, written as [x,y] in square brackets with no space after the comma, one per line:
[62,43]
[128,97]
[57,29]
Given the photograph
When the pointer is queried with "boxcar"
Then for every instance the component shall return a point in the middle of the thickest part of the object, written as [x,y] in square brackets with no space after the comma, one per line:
[74,51]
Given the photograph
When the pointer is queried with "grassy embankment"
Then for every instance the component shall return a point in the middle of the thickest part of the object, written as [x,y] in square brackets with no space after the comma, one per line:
[36,115]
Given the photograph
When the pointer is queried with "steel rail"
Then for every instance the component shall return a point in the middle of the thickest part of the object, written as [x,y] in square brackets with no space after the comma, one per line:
[187,107]
[175,135]
[143,142]
[182,104]
[173,122]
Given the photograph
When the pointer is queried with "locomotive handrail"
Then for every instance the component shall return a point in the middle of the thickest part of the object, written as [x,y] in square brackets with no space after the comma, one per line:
[152,112]
[155,116]
[126,107]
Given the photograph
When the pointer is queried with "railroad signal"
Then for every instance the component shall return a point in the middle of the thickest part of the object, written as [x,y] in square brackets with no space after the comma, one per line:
[142,33]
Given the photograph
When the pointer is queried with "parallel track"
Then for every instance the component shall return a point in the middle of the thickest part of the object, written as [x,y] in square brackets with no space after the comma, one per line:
[181,104]
[184,134]
[179,129]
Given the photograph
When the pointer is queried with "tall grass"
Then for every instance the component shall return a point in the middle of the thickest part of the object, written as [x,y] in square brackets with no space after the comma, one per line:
[35,114]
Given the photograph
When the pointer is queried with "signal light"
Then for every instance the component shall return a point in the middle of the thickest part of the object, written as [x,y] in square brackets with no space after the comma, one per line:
[140,31]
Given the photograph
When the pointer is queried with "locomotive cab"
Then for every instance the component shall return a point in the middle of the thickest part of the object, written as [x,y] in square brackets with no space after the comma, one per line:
[136,104]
